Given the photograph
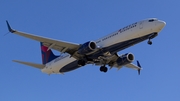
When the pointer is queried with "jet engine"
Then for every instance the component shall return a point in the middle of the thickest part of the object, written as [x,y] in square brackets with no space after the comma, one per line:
[87,47]
[125,59]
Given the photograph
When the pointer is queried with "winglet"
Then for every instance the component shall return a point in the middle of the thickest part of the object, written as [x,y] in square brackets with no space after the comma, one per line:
[9,27]
[139,70]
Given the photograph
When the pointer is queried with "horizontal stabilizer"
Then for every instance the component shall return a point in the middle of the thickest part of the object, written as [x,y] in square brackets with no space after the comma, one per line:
[39,66]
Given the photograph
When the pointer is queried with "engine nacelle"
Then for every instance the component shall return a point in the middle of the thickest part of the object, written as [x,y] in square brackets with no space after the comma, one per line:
[87,47]
[125,59]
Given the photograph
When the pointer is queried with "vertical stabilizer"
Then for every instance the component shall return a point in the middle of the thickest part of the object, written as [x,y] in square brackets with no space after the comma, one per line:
[47,54]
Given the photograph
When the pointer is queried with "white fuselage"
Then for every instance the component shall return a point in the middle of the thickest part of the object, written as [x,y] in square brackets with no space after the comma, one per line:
[129,32]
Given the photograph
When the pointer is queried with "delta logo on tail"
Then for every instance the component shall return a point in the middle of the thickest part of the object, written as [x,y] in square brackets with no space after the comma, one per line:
[47,54]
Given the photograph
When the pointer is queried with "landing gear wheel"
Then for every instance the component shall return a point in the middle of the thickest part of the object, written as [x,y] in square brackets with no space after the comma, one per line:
[103,69]
[150,42]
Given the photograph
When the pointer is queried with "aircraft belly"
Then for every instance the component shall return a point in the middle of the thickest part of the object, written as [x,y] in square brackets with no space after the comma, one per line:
[62,63]
[69,67]
[56,66]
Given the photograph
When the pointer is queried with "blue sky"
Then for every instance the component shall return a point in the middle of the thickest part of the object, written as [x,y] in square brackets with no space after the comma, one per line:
[80,21]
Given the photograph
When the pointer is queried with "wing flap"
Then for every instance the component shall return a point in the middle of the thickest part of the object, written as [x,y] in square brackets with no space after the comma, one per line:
[39,66]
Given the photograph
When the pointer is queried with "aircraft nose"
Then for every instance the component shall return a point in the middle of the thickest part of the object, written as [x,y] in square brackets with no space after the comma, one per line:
[161,24]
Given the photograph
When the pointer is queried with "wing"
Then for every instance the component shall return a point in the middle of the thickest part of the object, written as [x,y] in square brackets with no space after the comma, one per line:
[111,61]
[58,45]
[132,66]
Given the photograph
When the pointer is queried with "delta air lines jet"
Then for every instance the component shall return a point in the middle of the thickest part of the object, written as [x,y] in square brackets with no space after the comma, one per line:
[101,52]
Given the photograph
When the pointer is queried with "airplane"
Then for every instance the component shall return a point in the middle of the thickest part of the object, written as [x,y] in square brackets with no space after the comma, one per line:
[101,52]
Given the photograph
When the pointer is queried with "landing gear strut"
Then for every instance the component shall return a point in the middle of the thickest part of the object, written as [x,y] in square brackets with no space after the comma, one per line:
[149,42]
[151,37]
[103,69]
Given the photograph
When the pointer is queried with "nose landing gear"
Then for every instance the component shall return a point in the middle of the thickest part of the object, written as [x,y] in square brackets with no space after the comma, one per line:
[151,37]
[149,42]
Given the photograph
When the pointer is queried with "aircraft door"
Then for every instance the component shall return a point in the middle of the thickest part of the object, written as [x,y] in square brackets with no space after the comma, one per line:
[141,25]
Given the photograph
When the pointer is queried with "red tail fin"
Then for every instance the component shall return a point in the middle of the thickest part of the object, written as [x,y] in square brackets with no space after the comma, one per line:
[47,55]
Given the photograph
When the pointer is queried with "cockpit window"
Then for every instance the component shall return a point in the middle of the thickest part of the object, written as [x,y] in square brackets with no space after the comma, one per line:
[151,20]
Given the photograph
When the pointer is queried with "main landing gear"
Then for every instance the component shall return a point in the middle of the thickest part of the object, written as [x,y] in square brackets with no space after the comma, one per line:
[151,37]
[103,69]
